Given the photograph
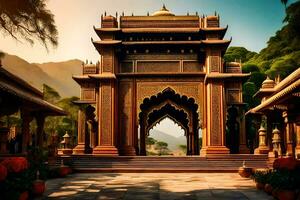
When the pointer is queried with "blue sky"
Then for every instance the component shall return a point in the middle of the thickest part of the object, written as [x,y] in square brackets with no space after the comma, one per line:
[251,23]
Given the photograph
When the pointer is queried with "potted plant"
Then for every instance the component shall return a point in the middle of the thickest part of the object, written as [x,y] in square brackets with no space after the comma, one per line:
[285,183]
[260,178]
[244,171]
[3,172]
[64,170]
[38,186]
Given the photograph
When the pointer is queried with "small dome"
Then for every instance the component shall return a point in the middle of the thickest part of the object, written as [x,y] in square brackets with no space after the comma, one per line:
[163,12]
[268,83]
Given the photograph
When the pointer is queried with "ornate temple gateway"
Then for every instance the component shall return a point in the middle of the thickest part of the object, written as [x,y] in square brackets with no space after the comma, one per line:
[157,66]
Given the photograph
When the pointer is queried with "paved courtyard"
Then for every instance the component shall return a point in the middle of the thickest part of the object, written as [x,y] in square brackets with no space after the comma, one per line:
[146,186]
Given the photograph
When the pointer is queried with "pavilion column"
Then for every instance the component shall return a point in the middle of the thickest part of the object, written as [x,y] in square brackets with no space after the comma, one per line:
[243,149]
[143,139]
[3,139]
[192,143]
[40,121]
[26,119]
[196,137]
[297,148]
[289,131]
[80,148]
[188,152]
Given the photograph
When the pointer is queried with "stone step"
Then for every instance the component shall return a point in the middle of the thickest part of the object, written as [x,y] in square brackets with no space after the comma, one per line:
[217,163]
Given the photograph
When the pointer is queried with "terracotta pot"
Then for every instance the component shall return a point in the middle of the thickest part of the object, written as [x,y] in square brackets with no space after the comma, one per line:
[38,187]
[268,188]
[275,193]
[3,172]
[245,172]
[64,171]
[286,195]
[24,196]
[260,186]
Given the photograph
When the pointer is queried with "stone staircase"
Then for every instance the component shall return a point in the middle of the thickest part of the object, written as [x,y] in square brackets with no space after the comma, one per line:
[212,163]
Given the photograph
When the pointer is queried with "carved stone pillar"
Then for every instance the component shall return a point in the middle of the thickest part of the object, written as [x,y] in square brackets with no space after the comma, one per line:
[215,120]
[262,146]
[26,119]
[107,119]
[289,130]
[80,148]
[127,118]
[40,120]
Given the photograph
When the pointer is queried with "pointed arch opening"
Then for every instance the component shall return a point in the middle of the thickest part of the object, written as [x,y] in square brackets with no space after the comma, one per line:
[180,109]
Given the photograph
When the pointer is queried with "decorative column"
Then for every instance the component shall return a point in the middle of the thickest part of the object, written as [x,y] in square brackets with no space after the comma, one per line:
[80,148]
[40,120]
[3,139]
[127,116]
[262,146]
[289,130]
[108,88]
[143,137]
[26,119]
[297,149]
[215,119]
[215,107]
[243,149]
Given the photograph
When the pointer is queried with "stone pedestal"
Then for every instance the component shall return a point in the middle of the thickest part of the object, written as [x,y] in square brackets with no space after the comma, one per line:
[214,150]
[106,150]
[128,151]
[262,137]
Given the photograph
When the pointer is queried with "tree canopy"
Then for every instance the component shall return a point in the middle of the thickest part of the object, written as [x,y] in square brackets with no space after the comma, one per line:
[238,53]
[282,54]
[29,20]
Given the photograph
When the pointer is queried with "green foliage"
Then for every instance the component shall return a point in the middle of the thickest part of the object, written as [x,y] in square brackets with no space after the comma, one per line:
[283,67]
[182,147]
[50,94]
[261,176]
[247,68]
[279,179]
[29,20]
[237,53]
[282,55]
[61,124]
[162,148]
[257,78]
[150,141]
[249,89]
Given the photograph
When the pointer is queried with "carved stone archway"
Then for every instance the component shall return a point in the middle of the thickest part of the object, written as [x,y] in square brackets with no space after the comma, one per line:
[181,109]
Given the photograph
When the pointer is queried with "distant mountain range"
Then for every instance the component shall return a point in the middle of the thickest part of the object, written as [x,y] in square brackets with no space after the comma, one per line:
[172,141]
[57,75]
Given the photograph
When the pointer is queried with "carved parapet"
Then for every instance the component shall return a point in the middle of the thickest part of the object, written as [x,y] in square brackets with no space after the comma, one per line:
[212,21]
[90,68]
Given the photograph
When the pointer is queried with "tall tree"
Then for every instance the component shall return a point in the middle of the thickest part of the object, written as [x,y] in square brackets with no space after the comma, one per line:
[29,20]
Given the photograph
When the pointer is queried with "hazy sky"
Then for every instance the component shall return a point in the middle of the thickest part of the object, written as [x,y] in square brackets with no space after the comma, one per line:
[251,23]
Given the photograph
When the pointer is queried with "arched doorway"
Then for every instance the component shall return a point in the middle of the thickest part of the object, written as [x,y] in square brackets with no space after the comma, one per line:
[166,137]
[181,109]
